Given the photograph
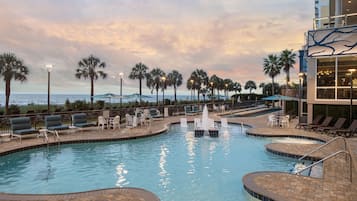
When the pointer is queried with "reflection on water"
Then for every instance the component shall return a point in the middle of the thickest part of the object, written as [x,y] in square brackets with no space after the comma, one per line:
[190,141]
[121,172]
[164,175]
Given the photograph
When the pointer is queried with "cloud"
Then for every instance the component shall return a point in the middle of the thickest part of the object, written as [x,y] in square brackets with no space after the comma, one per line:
[228,38]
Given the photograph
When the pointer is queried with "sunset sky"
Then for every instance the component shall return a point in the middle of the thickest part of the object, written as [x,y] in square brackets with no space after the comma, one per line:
[229,38]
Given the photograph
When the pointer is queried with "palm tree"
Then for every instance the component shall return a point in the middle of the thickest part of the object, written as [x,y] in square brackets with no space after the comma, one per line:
[272,68]
[250,85]
[287,61]
[11,68]
[237,87]
[153,81]
[139,72]
[174,79]
[199,78]
[228,85]
[213,82]
[90,68]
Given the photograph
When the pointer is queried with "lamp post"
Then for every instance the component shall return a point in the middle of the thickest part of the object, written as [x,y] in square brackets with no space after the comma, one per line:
[351,92]
[212,95]
[163,78]
[49,69]
[301,78]
[226,91]
[192,81]
[121,74]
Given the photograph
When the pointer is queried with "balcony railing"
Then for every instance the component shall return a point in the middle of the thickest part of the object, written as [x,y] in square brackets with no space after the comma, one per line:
[335,21]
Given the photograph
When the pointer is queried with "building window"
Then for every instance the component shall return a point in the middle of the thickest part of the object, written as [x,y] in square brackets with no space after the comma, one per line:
[326,72]
[333,77]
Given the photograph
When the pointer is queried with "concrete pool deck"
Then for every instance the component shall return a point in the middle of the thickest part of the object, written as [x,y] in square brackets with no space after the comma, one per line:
[335,184]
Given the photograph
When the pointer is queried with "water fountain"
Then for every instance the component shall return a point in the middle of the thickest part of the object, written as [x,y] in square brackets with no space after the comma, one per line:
[206,125]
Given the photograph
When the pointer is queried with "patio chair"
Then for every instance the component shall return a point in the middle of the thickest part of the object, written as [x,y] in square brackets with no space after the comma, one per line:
[284,121]
[54,123]
[21,126]
[115,122]
[316,121]
[272,121]
[79,120]
[102,122]
[325,123]
[130,121]
[352,129]
[338,125]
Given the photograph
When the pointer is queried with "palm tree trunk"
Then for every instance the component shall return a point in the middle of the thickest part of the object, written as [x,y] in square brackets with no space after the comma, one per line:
[140,89]
[272,89]
[287,77]
[7,95]
[157,96]
[91,92]
[175,93]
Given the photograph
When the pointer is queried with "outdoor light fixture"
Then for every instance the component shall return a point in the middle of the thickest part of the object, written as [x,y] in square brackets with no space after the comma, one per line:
[351,92]
[192,81]
[301,79]
[49,68]
[121,75]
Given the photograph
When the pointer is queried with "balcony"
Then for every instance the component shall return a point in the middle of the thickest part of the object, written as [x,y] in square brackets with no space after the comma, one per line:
[335,21]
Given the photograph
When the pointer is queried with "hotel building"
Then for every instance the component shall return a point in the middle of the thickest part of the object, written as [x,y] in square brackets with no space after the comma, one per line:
[331,61]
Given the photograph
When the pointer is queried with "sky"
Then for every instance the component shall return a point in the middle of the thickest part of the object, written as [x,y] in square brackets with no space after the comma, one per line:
[228,38]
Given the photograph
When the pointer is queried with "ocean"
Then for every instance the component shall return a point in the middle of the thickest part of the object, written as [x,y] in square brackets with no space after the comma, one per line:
[60,99]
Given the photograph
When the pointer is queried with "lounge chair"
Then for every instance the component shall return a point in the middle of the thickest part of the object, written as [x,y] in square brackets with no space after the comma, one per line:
[155,114]
[54,123]
[21,126]
[338,125]
[79,120]
[316,121]
[352,129]
[188,110]
[325,123]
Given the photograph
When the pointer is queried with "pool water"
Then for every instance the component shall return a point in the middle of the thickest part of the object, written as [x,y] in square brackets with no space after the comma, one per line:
[174,166]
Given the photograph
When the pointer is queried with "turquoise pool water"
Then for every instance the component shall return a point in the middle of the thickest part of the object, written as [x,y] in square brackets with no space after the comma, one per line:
[175,166]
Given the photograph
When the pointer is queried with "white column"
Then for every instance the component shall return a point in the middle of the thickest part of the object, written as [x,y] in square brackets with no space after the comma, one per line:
[338,11]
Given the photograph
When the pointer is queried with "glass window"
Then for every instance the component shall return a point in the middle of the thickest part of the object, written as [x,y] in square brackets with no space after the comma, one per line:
[344,93]
[326,93]
[325,72]
[343,73]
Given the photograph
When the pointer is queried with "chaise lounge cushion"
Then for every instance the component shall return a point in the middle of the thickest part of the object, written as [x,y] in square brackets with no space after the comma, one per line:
[54,122]
[22,126]
[80,120]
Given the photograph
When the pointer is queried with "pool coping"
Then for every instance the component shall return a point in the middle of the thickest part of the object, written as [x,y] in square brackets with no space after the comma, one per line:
[138,193]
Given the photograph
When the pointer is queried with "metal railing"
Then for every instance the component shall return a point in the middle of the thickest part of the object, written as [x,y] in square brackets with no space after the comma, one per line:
[322,146]
[328,157]
[335,21]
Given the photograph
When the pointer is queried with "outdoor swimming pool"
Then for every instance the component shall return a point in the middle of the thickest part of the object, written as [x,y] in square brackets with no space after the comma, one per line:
[174,166]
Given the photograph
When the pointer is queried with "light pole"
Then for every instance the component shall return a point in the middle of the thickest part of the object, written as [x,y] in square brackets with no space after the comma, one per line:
[301,79]
[212,90]
[49,69]
[192,81]
[121,74]
[226,87]
[163,78]
[351,92]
